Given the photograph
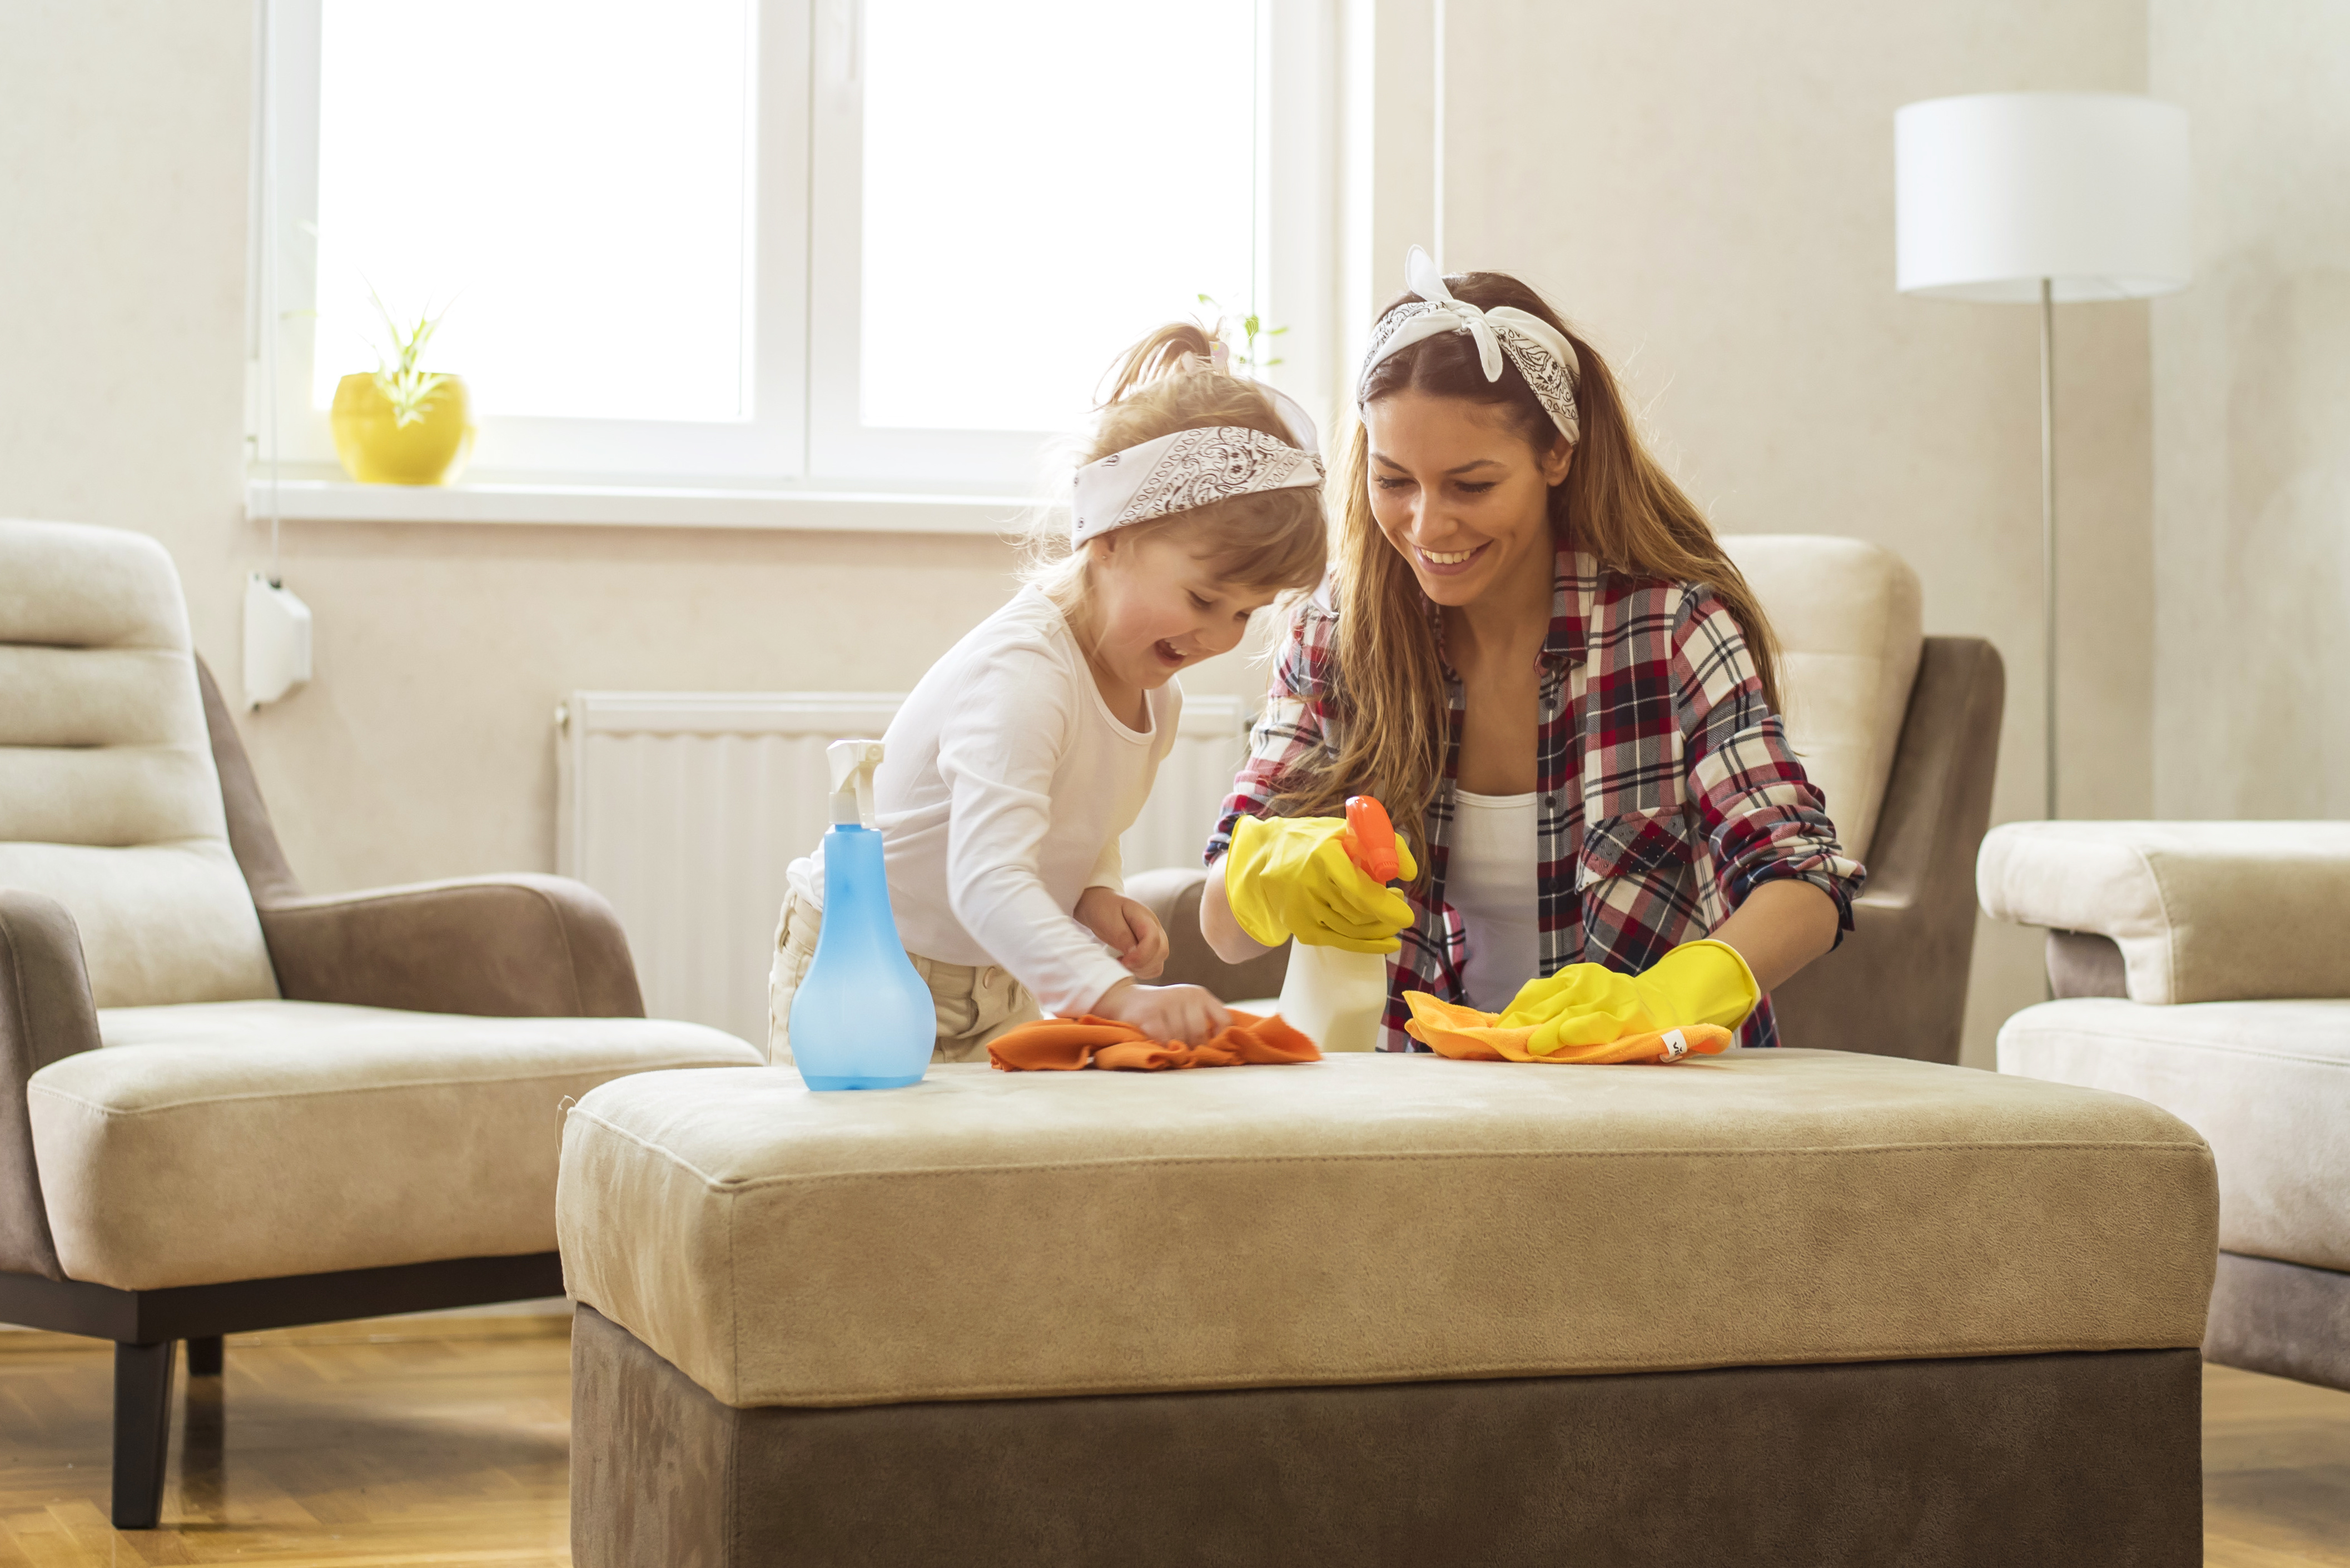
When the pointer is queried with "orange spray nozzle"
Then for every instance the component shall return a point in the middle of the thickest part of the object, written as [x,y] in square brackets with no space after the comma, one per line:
[1370,839]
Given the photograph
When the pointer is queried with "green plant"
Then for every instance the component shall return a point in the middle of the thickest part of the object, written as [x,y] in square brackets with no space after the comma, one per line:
[1252,328]
[409,390]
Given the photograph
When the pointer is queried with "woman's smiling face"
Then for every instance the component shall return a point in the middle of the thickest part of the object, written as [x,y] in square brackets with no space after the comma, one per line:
[1460,493]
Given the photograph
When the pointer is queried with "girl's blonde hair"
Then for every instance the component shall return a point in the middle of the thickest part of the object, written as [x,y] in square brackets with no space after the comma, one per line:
[1617,503]
[1272,539]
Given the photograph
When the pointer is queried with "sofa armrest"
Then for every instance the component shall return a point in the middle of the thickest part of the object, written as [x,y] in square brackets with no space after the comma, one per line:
[2200,911]
[46,1014]
[1897,986]
[1173,895]
[511,947]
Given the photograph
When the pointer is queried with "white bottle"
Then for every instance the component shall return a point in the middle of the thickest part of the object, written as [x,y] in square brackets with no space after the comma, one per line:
[1336,997]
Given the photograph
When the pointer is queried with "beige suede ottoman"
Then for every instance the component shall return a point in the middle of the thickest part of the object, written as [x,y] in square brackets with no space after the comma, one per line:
[1783,1306]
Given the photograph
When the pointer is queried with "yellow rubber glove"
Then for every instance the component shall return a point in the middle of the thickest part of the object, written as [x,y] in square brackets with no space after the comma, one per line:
[1291,876]
[1587,1004]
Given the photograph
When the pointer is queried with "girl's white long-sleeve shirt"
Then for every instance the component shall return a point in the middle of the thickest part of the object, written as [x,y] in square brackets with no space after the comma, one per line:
[1004,785]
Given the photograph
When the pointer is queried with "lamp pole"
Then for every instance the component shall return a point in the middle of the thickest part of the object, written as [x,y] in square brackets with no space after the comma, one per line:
[2048,518]
[2003,196]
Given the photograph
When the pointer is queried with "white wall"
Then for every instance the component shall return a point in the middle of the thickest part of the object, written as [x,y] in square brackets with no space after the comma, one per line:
[2251,417]
[1705,186]
[123,138]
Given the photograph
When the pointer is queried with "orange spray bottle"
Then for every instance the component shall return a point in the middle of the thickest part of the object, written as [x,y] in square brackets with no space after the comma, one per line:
[1335,996]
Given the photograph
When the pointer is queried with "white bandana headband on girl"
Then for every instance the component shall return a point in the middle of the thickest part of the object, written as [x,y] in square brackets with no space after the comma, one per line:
[1193,468]
[1544,358]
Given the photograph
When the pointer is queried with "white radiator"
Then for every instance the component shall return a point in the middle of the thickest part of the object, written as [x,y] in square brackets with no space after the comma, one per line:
[685,808]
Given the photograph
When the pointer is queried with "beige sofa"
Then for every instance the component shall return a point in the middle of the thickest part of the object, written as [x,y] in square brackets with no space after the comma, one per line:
[2205,967]
[225,1105]
[1901,732]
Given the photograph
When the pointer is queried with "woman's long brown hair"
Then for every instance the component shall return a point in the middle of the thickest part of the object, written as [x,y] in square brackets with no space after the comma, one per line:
[1389,729]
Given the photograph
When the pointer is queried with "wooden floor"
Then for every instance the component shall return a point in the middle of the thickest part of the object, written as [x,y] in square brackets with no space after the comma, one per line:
[2276,1472]
[435,1441]
[445,1441]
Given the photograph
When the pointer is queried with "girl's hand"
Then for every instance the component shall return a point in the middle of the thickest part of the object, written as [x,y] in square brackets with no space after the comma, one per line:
[1129,928]
[1184,1014]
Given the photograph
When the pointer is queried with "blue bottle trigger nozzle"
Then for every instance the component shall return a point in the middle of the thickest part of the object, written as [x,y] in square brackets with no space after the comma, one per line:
[852,763]
[862,1017]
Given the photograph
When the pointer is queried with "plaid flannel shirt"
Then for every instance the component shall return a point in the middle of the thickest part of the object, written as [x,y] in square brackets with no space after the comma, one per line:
[1666,790]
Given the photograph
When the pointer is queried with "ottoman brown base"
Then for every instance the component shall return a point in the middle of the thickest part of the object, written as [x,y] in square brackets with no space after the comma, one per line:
[2068,1460]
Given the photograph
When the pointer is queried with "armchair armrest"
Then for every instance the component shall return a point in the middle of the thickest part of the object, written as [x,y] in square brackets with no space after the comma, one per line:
[2199,911]
[1897,985]
[525,946]
[1173,895]
[514,946]
[46,1014]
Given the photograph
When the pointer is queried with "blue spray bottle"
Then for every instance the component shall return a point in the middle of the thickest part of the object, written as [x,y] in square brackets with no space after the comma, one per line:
[862,1019]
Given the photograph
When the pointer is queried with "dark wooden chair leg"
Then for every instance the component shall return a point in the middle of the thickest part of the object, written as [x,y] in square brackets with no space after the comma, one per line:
[204,1356]
[143,1430]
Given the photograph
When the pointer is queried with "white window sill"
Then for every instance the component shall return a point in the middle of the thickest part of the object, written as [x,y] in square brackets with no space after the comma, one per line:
[634,506]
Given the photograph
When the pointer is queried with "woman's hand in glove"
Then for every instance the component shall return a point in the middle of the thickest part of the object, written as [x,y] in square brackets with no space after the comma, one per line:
[1291,876]
[1586,1004]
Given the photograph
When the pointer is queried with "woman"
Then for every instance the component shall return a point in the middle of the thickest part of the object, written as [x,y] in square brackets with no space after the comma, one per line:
[1534,652]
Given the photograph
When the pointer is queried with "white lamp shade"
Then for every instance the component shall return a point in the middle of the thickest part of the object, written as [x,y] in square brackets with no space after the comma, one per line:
[1994,191]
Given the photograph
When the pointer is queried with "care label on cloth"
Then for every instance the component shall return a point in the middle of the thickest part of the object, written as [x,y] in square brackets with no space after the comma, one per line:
[1675,1045]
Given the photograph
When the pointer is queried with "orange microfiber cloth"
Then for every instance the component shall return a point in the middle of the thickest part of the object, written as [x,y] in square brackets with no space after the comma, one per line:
[1466,1034]
[1065,1044]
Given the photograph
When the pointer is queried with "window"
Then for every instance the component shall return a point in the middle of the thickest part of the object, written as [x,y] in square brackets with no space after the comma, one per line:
[832,243]
[534,272]
[998,272]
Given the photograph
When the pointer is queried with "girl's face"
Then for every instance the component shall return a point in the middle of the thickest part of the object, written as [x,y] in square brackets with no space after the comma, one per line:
[1156,607]
[1460,493]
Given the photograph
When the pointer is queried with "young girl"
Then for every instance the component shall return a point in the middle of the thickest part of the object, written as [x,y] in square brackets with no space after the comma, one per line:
[1534,652]
[1017,761]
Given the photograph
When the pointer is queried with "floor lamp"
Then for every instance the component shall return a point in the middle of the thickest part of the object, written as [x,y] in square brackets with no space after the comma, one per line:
[2041,198]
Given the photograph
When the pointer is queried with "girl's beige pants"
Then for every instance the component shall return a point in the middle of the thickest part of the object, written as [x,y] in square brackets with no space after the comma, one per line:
[975,1003]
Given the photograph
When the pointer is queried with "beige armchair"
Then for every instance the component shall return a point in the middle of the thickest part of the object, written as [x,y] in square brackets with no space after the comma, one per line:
[1901,732]
[2205,966]
[225,1105]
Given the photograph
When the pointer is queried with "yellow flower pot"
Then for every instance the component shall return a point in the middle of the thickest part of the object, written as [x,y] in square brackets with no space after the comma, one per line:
[376,449]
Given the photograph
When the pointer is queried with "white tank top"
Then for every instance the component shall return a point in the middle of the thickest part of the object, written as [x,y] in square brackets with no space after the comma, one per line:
[1492,878]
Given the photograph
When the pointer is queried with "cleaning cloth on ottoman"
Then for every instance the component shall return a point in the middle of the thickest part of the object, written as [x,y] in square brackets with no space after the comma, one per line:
[1468,1035]
[1065,1044]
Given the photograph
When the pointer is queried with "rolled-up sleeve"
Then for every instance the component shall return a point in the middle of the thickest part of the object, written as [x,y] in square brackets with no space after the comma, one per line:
[1762,816]
[1289,728]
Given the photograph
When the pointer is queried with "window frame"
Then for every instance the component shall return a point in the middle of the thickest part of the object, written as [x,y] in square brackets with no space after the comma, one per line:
[804,434]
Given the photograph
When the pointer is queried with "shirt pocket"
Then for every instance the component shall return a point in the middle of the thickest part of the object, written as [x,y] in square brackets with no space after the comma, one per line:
[1643,843]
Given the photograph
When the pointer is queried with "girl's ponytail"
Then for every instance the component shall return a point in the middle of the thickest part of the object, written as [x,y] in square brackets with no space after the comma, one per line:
[1172,348]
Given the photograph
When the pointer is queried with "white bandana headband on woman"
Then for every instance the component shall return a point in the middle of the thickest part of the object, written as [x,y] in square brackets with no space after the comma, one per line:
[1542,354]
[1193,468]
